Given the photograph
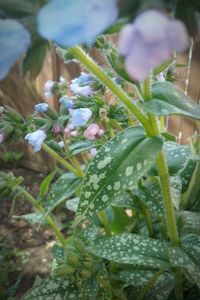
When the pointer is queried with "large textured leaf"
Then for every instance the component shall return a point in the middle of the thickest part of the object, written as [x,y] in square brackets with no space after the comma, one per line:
[54,288]
[84,146]
[186,173]
[63,188]
[118,165]
[132,249]
[168,99]
[179,258]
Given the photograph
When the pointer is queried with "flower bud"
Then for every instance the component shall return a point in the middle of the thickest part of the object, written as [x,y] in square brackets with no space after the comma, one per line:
[103,113]
[41,107]
[66,102]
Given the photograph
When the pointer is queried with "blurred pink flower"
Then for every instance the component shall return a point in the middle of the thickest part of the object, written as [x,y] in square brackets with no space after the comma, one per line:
[91,131]
[149,41]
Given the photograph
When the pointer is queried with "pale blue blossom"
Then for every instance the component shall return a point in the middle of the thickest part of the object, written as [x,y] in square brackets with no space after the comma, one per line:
[41,107]
[36,139]
[80,116]
[14,41]
[150,41]
[81,85]
[72,22]
[66,102]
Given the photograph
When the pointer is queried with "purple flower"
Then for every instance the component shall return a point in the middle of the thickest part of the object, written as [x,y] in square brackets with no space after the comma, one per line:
[91,131]
[41,107]
[80,116]
[66,102]
[72,22]
[36,139]
[149,41]
[14,41]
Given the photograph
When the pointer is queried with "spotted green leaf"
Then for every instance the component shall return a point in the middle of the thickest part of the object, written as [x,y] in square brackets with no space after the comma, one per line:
[161,288]
[82,146]
[118,165]
[179,258]
[168,99]
[132,249]
[186,173]
[54,288]
[190,243]
[63,188]
[135,277]
[189,222]
[176,155]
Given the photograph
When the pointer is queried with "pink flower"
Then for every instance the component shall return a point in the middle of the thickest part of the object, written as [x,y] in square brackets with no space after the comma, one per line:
[149,42]
[91,131]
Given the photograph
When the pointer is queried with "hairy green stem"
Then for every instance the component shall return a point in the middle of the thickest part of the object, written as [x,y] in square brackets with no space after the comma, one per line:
[49,220]
[90,64]
[148,221]
[104,221]
[61,160]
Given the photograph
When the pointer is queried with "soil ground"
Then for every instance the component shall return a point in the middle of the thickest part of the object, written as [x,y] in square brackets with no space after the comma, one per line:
[32,245]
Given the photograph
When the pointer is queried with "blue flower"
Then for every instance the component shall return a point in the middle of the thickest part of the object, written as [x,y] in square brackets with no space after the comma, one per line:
[66,102]
[80,116]
[14,41]
[41,107]
[36,139]
[72,22]
[84,79]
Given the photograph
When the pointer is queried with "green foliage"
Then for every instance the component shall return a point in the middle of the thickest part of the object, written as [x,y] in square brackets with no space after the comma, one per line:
[118,165]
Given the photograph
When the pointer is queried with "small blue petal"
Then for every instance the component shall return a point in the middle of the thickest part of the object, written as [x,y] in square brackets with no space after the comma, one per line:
[75,21]
[14,41]
[80,116]
[41,107]
[36,139]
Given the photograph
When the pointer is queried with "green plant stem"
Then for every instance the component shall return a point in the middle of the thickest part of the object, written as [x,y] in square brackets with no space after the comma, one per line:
[179,281]
[73,159]
[61,160]
[116,124]
[89,63]
[104,221]
[49,220]
[149,284]
[148,221]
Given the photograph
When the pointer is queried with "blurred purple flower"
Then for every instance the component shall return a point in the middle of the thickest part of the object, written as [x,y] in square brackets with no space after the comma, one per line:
[72,22]
[161,77]
[36,139]
[56,128]
[41,107]
[1,137]
[14,41]
[48,88]
[80,116]
[93,152]
[66,102]
[149,41]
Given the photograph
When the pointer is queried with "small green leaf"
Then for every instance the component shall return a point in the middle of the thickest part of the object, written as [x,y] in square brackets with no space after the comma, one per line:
[132,249]
[179,258]
[54,288]
[32,218]
[117,166]
[34,58]
[72,204]
[190,243]
[63,188]
[44,186]
[168,99]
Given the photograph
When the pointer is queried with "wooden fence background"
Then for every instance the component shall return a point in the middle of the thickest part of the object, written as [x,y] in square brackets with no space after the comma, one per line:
[23,95]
